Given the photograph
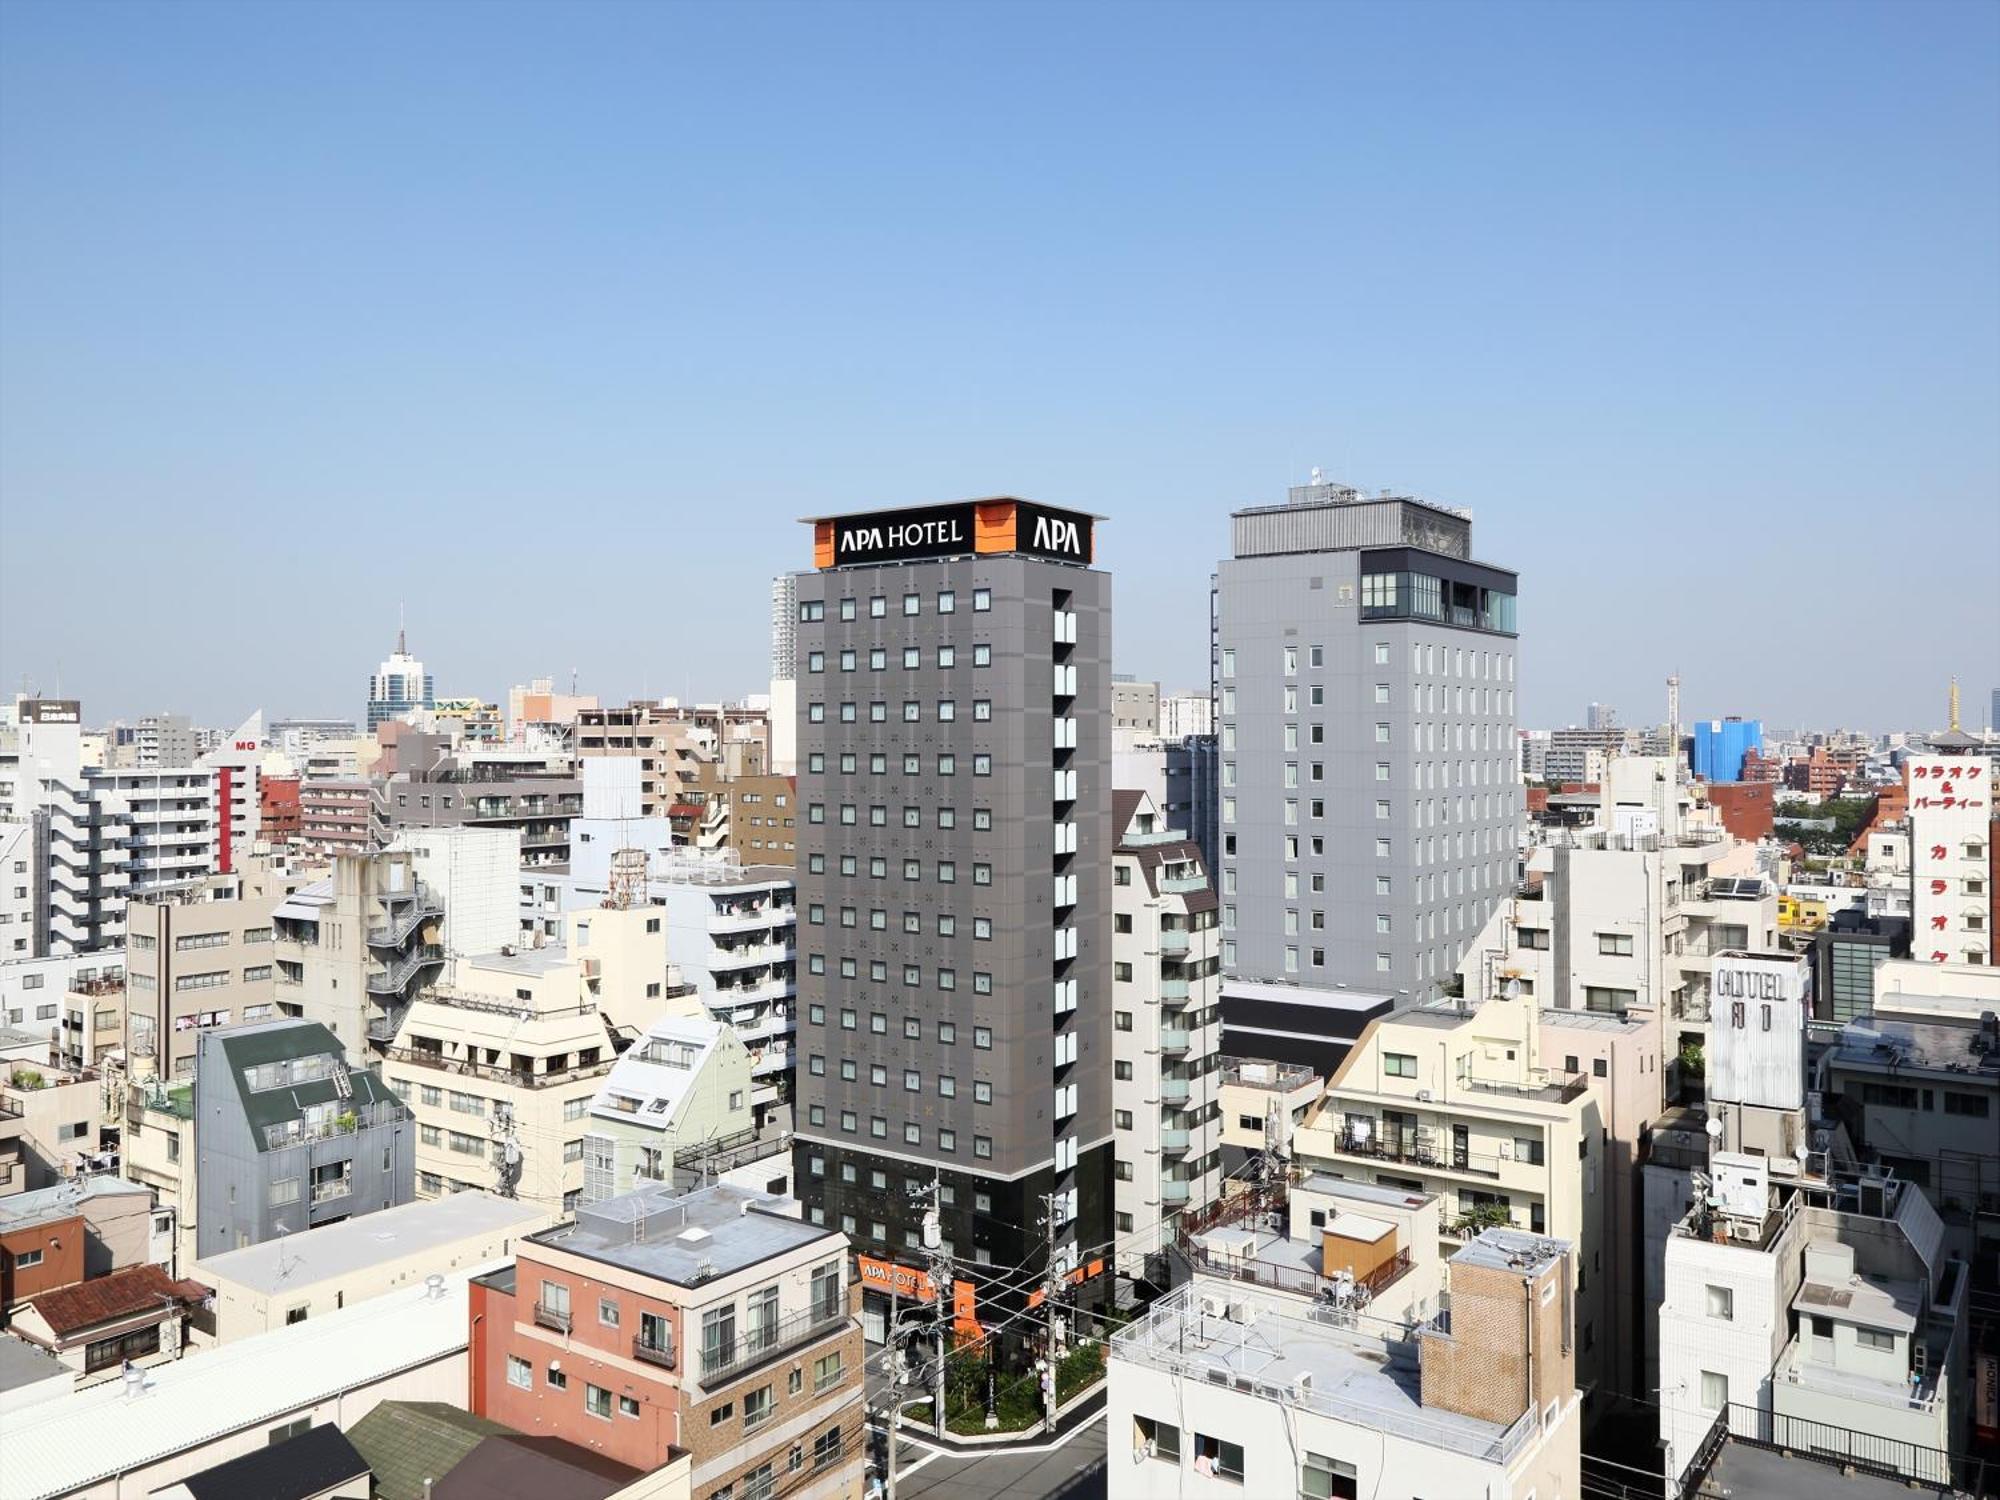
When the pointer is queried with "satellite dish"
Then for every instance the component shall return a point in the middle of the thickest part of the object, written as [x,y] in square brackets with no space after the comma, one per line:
[1714,1129]
[1511,989]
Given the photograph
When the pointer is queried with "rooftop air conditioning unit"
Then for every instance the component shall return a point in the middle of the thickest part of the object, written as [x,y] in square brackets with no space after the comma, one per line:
[1214,1307]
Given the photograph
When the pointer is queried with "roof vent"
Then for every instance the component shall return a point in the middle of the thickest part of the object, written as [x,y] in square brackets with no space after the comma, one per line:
[434,1287]
[694,1236]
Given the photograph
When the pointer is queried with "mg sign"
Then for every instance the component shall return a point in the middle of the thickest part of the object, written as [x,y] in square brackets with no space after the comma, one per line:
[1757,1011]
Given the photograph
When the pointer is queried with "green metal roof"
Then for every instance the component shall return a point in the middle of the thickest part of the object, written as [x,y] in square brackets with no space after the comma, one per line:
[407,1442]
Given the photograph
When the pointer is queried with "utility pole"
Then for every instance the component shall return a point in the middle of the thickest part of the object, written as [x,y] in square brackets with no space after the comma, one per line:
[1052,1286]
[944,1277]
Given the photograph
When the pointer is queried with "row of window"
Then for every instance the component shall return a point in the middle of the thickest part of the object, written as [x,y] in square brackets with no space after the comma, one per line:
[913,869]
[812,610]
[849,815]
[913,975]
[945,711]
[913,1080]
[1425,657]
[878,1025]
[946,1139]
[849,659]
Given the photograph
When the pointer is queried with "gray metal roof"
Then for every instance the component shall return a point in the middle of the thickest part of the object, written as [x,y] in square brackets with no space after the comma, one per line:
[21,1363]
[687,1238]
[1511,1250]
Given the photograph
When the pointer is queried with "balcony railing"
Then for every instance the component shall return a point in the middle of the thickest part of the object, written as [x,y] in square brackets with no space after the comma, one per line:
[393,979]
[757,1345]
[1174,1041]
[651,1353]
[549,1317]
[401,926]
[520,1078]
[1175,1140]
[333,1187]
[1376,1149]
[1173,1192]
[1173,940]
[1174,1088]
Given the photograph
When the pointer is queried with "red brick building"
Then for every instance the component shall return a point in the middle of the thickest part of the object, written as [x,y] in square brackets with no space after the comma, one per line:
[1745,807]
[709,1321]
[278,809]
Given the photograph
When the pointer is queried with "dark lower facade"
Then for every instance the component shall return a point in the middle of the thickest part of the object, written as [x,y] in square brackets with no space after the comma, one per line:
[995,1229]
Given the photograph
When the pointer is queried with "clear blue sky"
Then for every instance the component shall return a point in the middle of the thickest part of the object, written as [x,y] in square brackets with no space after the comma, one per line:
[550,320]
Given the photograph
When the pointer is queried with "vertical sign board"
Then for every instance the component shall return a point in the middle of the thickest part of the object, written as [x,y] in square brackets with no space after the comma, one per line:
[1059,535]
[1757,1012]
[1951,806]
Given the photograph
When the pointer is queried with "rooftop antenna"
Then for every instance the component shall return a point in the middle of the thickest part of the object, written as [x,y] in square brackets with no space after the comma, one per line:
[401,649]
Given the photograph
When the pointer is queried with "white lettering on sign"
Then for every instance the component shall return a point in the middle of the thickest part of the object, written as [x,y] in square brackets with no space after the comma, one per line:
[904,534]
[1053,535]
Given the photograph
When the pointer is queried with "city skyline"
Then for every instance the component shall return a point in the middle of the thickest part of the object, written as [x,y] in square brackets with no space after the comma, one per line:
[612,307]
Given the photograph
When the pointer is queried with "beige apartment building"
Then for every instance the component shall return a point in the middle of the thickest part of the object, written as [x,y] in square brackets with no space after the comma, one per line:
[198,957]
[1471,1102]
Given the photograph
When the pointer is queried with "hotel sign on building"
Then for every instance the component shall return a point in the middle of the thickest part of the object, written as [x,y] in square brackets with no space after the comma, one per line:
[1951,820]
[955,530]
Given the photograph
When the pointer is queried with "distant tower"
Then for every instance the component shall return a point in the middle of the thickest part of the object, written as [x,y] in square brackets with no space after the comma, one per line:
[1674,710]
[1953,725]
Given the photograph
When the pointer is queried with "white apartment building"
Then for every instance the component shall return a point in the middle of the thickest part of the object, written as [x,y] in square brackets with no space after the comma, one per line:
[681,1095]
[1839,1330]
[18,883]
[175,829]
[1184,714]
[1469,1101]
[1951,813]
[1221,1392]
[1166,1031]
[732,931]
[475,875]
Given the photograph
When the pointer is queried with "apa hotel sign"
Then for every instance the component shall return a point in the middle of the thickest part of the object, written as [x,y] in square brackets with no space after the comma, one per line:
[964,528]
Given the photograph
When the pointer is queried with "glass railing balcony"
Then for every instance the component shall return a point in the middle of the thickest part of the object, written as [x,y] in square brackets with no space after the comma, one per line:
[1173,989]
[1175,1089]
[1175,1140]
[1173,940]
[1183,884]
[1173,1192]
[1174,1041]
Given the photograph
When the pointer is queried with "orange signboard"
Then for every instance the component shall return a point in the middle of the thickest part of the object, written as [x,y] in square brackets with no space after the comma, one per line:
[887,1276]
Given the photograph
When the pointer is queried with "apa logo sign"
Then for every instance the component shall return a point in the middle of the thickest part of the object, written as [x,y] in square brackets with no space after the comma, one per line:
[1063,535]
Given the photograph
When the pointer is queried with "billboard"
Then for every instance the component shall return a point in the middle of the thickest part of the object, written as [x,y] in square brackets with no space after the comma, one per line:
[965,527]
[1951,804]
[1757,1009]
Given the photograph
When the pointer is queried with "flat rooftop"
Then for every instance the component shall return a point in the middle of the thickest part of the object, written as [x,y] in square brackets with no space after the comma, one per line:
[686,1238]
[23,1363]
[1511,1250]
[426,1227]
[1896,1042]
[1360,1375]
[1742,1469]
[1362,1192]
[528,962]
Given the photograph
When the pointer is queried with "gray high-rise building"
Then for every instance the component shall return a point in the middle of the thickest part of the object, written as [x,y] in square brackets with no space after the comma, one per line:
[1369,790]
[954,874]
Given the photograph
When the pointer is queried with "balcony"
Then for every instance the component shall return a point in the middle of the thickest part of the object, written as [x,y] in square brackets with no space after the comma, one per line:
[1174,1089]
[332,1188]
[647,1353]
[1172,1192]
[1560,1089]
[549,1317]
[1174,1041]
[1410,1154]
[744,955]
[1173,989]
[727,1361]
[750,919]
[1173,940]
[523,1078]
[1175,1140]
[1182,885]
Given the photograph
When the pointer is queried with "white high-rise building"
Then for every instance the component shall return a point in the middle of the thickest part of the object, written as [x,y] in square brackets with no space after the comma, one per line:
[1166,1032]
[1183,714]
[399,686]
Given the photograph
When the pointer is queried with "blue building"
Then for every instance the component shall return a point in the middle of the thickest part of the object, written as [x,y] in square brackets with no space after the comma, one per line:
[1721,744]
